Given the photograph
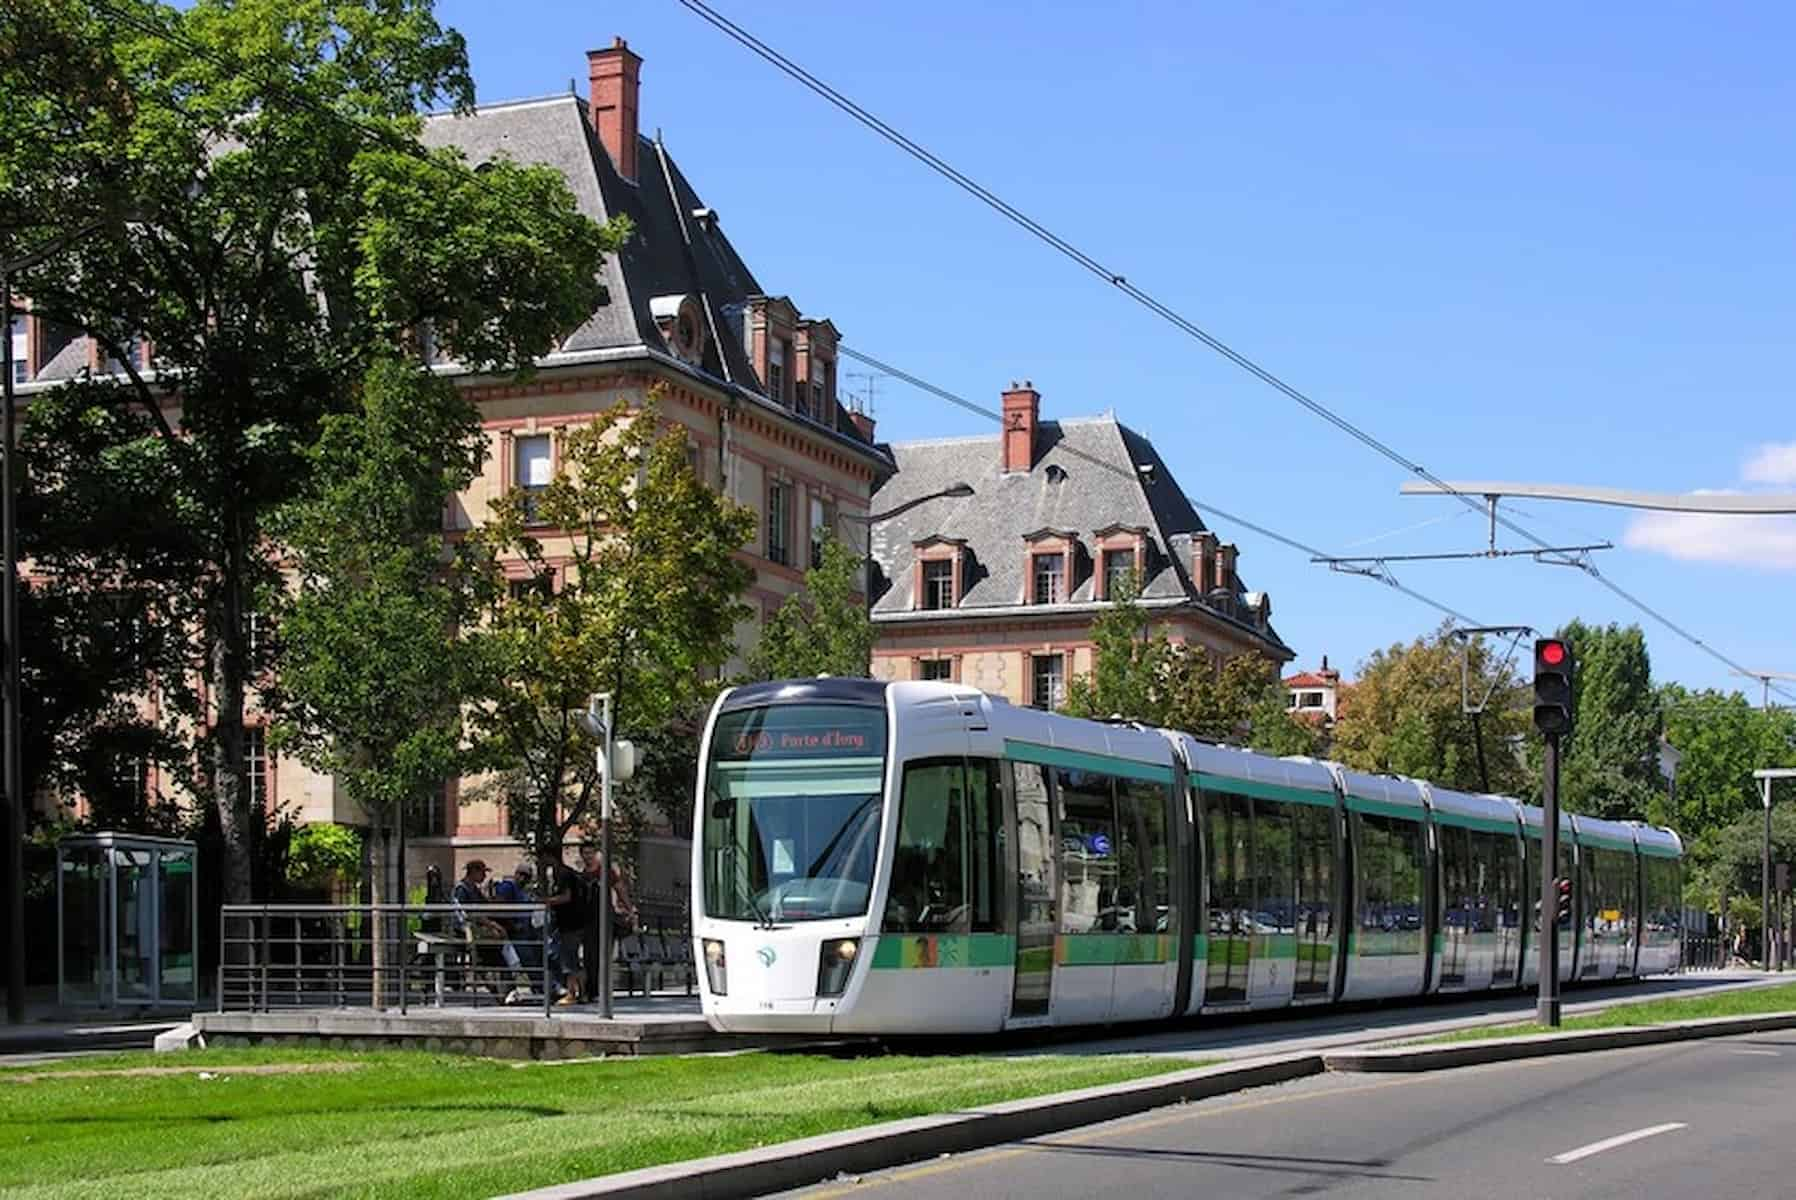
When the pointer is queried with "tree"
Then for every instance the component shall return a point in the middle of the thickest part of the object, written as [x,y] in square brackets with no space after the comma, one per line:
[288,230]
[1610,763]
[823,630]
[1723,739]
[1139,673]
[373,666]
[1405,715]
[641,598]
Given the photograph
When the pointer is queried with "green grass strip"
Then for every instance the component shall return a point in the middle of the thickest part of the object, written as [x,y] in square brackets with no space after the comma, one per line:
[1740,1002]
[415,1125]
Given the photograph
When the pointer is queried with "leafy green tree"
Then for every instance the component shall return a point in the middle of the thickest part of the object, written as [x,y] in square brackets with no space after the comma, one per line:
[1723,739]
[1138,672]
[641,599]
[288,230]
[1610,764]
[373,666]
[823,630]
[1405,715]
[1129,665]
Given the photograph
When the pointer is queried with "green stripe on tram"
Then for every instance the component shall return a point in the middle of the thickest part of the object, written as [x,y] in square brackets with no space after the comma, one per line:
[1079,760]
[1657,851]
[1111,949]
[1384,808]
[1483,824]
[1265,791]
[907,951]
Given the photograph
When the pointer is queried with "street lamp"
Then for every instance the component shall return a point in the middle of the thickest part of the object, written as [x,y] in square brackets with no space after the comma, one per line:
[12,771]
[954,491]
[1765,777]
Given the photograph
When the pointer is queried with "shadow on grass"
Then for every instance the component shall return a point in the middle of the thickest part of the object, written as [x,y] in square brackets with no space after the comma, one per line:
[283,1114]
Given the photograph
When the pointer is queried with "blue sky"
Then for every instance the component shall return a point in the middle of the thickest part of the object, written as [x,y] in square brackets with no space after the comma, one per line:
[1547,243]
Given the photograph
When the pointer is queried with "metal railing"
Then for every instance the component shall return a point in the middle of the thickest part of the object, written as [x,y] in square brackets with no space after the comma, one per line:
[291,956]
[1705,954]
[275,956]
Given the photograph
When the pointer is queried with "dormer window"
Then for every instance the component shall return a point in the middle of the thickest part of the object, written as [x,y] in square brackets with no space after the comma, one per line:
[1050,578]
[1122,559]
[938,584]
[1119,572]
[1048,563]
[778,351]
[939,564]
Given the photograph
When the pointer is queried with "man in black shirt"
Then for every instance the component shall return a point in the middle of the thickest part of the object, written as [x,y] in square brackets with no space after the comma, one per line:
[567,900]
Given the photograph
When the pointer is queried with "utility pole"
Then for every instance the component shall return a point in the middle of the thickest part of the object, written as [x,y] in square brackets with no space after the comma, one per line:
[1553,712]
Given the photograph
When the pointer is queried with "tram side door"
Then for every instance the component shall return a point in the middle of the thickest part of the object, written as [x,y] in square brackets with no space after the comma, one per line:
[1038,887]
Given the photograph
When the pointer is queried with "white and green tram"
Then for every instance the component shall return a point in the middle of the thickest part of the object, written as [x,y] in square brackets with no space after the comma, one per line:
[925,858]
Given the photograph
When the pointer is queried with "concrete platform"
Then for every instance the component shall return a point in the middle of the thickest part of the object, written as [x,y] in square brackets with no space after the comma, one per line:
[656,1025]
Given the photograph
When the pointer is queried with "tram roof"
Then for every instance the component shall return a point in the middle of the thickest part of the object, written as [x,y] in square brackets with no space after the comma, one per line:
[1233,762]
[824,689]
[1471,808]
[1664,843]
[1611,834]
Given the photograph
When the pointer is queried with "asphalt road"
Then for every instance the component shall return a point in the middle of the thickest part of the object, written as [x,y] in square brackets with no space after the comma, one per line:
[1703,1119]
[1294,1030]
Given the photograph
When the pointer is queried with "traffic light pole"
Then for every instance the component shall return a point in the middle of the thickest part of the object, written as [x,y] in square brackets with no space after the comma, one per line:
[1547,1008]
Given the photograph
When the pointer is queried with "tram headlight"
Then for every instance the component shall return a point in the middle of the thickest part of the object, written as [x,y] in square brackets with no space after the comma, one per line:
[717,975]
[835,962]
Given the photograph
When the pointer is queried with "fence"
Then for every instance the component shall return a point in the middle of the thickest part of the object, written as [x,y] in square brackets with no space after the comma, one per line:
[1705,954]
[285,956]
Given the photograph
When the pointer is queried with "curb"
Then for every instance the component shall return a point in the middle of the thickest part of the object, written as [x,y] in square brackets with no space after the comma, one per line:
[1510,1049]
[813,1160]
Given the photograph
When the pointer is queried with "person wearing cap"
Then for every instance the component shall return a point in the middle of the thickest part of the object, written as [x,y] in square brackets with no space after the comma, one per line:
[524,948]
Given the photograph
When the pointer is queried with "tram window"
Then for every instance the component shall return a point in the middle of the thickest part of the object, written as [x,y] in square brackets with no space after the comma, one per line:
[1230,839]
[1141,856]
[1088,878]
[945,870]
[1275,884]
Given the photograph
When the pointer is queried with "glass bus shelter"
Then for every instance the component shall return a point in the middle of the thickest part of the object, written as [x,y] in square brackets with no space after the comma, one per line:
[127,921]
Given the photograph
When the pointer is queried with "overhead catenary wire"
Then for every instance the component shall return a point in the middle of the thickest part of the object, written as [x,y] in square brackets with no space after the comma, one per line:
[995,416]
[1159,308]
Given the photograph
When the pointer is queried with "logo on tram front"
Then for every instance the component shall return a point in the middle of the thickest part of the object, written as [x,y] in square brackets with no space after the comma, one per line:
[766,955]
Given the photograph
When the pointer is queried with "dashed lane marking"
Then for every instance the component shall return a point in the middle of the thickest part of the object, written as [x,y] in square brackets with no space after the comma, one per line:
[1620,1139]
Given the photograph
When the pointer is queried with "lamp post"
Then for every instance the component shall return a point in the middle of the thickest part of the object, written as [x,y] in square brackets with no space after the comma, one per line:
[12,770]
[1765,778]
[954,491]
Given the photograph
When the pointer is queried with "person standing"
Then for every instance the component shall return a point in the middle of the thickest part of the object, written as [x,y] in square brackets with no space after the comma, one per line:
[567,902]
[623,908]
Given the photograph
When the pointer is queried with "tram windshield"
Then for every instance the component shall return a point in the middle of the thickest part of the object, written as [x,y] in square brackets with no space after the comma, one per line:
[792,811]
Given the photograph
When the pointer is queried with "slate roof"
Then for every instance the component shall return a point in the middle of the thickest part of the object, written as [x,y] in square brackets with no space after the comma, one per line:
[1087,477]
[671,253]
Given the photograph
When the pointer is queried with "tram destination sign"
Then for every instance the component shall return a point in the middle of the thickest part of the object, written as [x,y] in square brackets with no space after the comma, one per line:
[801,731]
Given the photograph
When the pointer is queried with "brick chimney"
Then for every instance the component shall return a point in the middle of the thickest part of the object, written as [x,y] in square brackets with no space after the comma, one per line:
[612,74]
[863,425]
[1203,561]
[1022,413]
[1225,567]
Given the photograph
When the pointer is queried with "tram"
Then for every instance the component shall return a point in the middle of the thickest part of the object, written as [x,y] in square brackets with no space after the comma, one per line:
[923,858]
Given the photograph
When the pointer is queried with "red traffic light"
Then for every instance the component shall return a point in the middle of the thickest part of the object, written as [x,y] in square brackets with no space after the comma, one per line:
[1552,653]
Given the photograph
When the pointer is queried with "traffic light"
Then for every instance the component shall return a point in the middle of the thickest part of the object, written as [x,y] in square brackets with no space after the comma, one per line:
[1562,889]
[1552,686]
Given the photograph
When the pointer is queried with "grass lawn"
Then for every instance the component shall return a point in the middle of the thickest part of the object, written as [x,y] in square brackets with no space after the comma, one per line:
[1741,1002]
[324,1123]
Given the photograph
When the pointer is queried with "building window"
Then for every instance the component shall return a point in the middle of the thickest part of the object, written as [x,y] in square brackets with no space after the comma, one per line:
[777,350]
[424,815]
[937,669]
[21,348]
[531,585]
[1119,572]
[938,583]
[131,779]
[820,530]
[1050,577]
[779,523]
[1049,681]
[532,464]
[1310,700]
[695,460]
[255,750]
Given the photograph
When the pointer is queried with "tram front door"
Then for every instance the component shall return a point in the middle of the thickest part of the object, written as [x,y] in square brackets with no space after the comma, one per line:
[1037,888]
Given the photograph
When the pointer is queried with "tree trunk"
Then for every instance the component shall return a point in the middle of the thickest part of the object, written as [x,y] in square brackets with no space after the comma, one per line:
[378,925]
[229,684]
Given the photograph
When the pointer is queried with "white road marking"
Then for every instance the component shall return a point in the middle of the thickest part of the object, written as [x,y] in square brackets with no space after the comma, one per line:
[1620,1139]
[1766,1053]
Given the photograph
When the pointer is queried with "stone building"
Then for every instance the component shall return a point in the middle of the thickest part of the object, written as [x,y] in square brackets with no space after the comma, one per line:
[999,589]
